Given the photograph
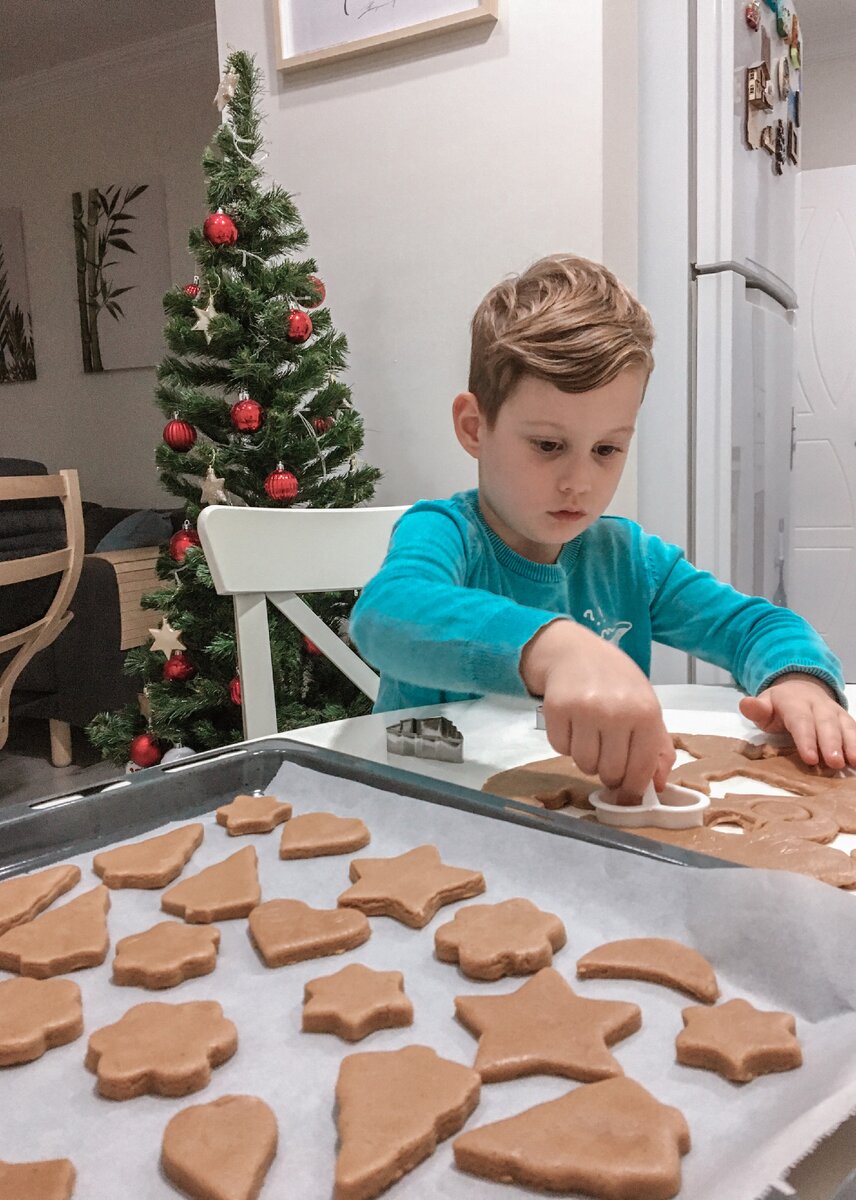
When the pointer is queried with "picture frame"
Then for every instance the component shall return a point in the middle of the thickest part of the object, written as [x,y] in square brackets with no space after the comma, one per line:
[312,32]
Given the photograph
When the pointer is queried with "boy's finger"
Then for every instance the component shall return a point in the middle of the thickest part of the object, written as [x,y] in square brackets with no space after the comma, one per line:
[848,737]
[759,710]
[612,766]
[585,747]
[802,729]
[829,740]
[558,730]
[642,762]
[665,762]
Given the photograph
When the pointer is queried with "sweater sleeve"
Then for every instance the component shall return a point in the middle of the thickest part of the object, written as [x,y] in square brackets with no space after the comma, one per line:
[750,637]
[418,621]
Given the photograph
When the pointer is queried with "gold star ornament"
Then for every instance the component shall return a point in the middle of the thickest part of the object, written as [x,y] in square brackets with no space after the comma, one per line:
[166,639]
[213,489]
[226,90]
[205,316]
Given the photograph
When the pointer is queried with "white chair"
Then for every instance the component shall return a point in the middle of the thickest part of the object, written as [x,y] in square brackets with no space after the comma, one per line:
[261,554]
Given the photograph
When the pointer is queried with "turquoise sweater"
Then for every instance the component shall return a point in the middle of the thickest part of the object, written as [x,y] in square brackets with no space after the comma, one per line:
[449,612]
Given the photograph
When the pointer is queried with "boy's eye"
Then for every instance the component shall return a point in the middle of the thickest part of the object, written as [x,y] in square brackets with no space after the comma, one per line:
[606,451]
[547,447]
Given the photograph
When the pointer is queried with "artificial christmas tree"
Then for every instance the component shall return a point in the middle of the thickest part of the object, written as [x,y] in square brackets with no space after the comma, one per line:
[256,415]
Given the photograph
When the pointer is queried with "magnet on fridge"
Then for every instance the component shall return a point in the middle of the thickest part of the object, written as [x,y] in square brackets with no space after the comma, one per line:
[773,4]
[784,17]
[752,12]
[794,108]
[781,148]
[759,87]
[793,144]
[765,47]
[783,76]
[794,35]
[768,139]
[796,56]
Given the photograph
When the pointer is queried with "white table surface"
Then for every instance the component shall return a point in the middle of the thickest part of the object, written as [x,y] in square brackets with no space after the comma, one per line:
[500,733]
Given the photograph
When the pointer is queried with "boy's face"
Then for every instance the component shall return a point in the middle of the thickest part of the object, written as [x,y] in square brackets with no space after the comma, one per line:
[550,465]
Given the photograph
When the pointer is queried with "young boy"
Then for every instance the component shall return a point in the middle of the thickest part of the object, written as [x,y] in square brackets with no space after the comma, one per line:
[522,586]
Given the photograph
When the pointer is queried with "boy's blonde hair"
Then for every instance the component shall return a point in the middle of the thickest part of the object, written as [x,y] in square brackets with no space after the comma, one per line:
[567,320]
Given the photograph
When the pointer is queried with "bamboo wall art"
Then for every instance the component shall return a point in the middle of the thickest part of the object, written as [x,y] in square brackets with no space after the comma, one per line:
[17,354]
[122,273]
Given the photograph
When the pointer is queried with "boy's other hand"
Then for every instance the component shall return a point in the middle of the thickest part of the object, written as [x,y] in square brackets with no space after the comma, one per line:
[804,707]
[599,708]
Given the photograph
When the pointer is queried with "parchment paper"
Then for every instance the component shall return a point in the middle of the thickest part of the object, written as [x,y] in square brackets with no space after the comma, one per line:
[782,941]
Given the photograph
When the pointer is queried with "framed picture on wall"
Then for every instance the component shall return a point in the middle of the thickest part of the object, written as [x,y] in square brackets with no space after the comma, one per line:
[309,32]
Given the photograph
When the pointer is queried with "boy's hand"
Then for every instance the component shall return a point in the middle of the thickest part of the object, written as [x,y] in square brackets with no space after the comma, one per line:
[804,707]
[599,708]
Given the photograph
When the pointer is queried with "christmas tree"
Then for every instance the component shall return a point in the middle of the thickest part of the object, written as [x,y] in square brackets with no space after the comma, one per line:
[257,415]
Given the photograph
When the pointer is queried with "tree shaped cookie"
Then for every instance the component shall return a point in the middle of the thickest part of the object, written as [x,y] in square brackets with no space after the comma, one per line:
[163,1049]
[610,1139]
[223,892]
[24,897]
[166,955]
[35,1016]
[492,940]
[64,939]
[253,814]
[52,1179]
[314,834]
[738,1041]
[410,887]
[544,1028]
[222,1150]
[152,863]
[658,960]
[355,1002]
[393,1108]
[289,931]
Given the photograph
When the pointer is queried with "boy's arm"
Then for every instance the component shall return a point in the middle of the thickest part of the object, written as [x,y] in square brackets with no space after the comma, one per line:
[419,622]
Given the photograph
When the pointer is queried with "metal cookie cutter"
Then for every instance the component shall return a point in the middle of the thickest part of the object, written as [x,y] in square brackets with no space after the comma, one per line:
[674,808]
[539,717]
[426,737]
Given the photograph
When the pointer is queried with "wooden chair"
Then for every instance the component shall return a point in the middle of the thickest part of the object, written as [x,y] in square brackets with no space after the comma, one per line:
[32,638]
[261,554]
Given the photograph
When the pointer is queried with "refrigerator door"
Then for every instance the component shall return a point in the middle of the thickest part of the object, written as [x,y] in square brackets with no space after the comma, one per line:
[745,213]
[743,416]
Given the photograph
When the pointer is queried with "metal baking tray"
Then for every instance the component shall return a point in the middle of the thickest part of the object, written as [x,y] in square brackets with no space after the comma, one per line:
[36,833]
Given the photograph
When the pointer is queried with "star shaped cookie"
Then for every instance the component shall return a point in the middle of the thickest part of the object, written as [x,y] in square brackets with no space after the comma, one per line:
[410,887]
[253,814]
[355,1002]
[491,940]
[545,1028]
[738,1041]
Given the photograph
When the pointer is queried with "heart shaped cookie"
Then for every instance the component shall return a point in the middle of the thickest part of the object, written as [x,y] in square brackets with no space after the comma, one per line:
[222,1150]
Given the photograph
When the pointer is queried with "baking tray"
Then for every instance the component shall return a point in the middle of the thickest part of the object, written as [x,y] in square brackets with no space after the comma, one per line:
[36,833]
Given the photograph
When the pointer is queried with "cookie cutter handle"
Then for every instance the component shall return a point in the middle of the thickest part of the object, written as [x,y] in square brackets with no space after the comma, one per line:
[674,808]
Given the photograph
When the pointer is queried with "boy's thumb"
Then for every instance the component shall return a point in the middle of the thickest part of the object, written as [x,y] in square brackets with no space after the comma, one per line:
[758,709]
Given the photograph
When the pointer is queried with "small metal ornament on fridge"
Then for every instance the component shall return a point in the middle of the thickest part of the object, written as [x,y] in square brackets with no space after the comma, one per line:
[752,13]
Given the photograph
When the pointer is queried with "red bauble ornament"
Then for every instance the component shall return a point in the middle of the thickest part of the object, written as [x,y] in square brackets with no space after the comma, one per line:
[181,542]
[220,229]
[235,690]
[192,289]
[299,326]
[319,291]
[179,435]
[178,668]
[247,415]
[144,750]
[281,484]
[309,646]
[322,424]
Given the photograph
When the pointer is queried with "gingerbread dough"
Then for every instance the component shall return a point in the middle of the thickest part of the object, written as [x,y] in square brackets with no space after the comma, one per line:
[491,940]
[166,955]
[163,1049]
[64,939]
[544,1028]
[410,887]
[35,1016]
[355,1002]
[738,1041]
[223,892]
[150,864]
[393,1108]
[24,897]
[52,1179]
[658,960]
[253,814]
[289,931]
[222,1150]
[807,818]
[547,783]
[610,1139]
[786,771]
[314,834]
[705,745]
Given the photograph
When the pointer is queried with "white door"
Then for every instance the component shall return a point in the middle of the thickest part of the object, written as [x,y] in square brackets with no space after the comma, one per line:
[823,504]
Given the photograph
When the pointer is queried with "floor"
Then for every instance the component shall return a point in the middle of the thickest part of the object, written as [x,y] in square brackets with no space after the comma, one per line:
[26,771]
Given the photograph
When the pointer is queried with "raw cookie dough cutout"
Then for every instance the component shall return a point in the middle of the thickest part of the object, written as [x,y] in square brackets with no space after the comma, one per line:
[289,931]
[355,1002]
[26,896]
[152,863]
[223,892]
[67,938]
[222,1150]
[52,1179]
[165,955]
[319,833]
[488,941]
[410,887]
[35,1016]
[657,960]
[738,1041]
[253,814]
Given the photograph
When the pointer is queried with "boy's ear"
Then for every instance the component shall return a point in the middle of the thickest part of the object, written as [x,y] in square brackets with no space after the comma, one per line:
[469,422]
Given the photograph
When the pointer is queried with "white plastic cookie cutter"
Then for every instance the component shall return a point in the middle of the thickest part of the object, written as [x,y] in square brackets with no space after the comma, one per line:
[674,808]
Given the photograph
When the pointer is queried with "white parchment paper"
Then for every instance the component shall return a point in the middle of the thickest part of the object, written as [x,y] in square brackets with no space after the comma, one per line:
[781,941]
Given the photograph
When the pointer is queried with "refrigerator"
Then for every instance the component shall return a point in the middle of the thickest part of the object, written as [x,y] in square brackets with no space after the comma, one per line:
[717,269]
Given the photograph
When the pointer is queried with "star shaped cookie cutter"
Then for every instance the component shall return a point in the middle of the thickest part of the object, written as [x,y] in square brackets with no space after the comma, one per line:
[426,737]
[674,808]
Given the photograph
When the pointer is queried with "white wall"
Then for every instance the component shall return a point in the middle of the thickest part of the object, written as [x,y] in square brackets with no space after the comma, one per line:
[424,175]
[127,116]
[828,114]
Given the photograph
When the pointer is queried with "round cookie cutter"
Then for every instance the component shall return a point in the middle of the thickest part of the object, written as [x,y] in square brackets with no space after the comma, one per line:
[674,808]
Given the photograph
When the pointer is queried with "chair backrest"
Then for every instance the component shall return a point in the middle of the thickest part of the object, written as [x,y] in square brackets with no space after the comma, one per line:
[261,554]
[67,563]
